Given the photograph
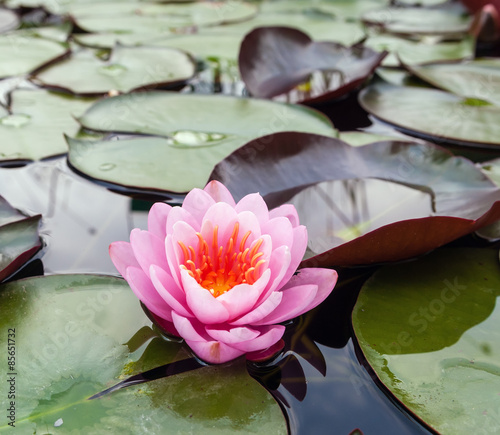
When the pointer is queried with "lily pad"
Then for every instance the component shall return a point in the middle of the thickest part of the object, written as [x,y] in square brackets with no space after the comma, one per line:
[23,53]
[142,17]
[318,27]
[451,181]
[429,331]
[434,114]
[197,136]
[475,80]
[127,69]
[95,337]
[34,128]
[420,51]
[19,238]
[449,21]
[8,20]
[274,60]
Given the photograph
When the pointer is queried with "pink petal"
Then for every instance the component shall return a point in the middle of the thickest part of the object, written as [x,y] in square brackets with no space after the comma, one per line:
[219,192]
[285,210]
[214,352]
[148,249]
[189,329]
[294,303]
[182,232]
[241,298]
[168,289]
[165,325]
[122,256]
[157,219]
[269,335]
[206,308]
[281,231]
[201,343]
[248,222]
[263,355]
[145,291]
[297,253]
[223,216]
[279,264]
[260,311]
[254,203]
[232,336]
[197,202]
[179,214]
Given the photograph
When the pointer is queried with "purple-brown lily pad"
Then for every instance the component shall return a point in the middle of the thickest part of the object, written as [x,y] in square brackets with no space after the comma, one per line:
[19,238]
[461,198]
[275,60]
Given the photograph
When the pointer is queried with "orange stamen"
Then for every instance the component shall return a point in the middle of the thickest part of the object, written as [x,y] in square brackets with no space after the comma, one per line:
[220,268]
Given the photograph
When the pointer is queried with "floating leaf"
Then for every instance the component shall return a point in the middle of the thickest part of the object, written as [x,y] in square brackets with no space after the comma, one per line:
[318,27]
[434,114]
[475,80]
[429,330]
[449,21]
[274,60]
[358,138]
[8,20]
[19,239]
[198,136]
[34,129]
[416,52]
[151,18]
[128,68]
[451,181]
[22,53]
[87,346]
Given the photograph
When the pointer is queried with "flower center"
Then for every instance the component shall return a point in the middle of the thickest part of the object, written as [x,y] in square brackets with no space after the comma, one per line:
[219,268]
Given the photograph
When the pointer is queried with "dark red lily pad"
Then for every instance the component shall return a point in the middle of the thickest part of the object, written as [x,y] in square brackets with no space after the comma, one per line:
[275,60]
[19,238]
[463,198]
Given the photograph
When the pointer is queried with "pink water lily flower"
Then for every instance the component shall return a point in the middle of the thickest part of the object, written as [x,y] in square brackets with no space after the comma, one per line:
[220,274]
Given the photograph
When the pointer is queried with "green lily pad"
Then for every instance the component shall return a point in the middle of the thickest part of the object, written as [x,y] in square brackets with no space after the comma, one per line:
[34,128]
[198,137]
[151,18]
[360,138]
[416,52]
[450,21]
[19,238]
[434,114]
[8,20]
[492,170]
[477,79]
[94,338]
[429,330]
[21,52]
[128,68]
[318,27]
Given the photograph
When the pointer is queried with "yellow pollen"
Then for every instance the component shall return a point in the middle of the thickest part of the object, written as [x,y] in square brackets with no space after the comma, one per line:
[219,268]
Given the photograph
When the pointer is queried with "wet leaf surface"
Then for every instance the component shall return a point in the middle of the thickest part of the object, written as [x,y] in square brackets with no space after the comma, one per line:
[474,80]
[413,52]
[197,136]
[429,331]
[274,60]
[85,347]
[127,68]
[434,114]
[34,128]
[19,239]
[450,20]
[8,20]
[313,159]
[21,52]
